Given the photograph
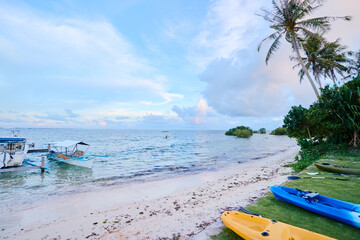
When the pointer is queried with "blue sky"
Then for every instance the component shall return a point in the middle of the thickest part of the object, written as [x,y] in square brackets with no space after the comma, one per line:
[148,64]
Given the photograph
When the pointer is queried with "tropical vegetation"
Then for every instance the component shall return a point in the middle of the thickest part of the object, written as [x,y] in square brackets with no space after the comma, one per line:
[324,60]
[331,123]
[329,130]
[288,20]
[261,131]
[240,131]
[334,117]
[279,131]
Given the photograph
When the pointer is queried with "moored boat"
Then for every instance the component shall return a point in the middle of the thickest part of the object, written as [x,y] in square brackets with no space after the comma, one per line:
[252,227]
[341,211]
[70,152]
[328,167]
[12,151]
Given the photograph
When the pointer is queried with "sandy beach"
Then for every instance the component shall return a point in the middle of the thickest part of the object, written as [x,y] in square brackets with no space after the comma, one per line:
[177,208]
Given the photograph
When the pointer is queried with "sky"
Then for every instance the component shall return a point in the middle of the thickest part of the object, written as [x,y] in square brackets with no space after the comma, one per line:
[150,64]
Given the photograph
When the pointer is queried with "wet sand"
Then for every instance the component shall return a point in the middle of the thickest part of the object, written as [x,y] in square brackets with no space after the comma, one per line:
[181,207]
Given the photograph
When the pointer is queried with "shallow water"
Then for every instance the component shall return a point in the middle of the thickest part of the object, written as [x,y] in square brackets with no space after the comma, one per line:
[132,155]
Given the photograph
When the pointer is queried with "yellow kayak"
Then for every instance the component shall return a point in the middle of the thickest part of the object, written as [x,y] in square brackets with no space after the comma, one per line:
[253,227]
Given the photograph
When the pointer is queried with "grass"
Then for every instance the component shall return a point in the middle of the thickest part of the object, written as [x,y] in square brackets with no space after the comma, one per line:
[272,208]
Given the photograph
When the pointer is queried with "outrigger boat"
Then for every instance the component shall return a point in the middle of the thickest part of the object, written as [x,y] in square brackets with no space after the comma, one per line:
[69,152]
[12,151]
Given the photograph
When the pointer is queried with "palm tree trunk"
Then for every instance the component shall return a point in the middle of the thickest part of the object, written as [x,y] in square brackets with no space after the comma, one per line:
[355,139]
[308,130]
[303,66]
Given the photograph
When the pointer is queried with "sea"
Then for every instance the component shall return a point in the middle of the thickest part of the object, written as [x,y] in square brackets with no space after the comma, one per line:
[128,156]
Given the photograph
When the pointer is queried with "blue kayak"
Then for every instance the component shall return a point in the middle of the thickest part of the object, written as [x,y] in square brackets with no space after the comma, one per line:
[341,211]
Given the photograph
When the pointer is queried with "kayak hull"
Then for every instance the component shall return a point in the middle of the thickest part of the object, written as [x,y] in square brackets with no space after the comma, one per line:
[338,210]
[252,227]
[327,167]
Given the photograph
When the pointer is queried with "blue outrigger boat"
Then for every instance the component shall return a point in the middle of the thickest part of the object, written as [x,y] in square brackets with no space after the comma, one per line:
[68,152]
[338,210]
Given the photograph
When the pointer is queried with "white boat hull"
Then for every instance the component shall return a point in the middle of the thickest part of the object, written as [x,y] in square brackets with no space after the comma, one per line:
[12,159]
[81,162]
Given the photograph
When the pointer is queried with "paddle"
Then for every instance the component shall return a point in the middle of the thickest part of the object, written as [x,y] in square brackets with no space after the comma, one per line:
[342,174]
[249,212]
[296,178]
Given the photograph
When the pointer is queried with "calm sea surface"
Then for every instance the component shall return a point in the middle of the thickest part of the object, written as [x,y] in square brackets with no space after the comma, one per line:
[131,155]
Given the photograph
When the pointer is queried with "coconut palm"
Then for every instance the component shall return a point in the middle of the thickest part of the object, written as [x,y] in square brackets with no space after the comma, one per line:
[354,63]
[288,20]
[324,59]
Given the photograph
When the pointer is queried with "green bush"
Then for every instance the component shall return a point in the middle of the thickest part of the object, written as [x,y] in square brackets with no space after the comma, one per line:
[334,117]
[311,151]
[231,132]
[279,131]
[262,130]
[244,133]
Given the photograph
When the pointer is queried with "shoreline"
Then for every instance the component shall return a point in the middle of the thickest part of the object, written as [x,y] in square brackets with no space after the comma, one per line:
[180,207]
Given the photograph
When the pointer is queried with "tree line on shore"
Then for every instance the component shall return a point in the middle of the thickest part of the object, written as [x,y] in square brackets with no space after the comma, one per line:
[246,132]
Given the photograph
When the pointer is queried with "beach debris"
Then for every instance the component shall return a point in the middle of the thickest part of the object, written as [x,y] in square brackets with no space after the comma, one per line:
[92,234]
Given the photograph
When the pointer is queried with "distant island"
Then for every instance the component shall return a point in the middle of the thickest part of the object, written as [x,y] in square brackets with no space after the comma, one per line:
[279,131]
[244,132]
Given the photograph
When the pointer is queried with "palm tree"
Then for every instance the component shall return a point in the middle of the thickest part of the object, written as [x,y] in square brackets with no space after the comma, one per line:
[323,59]
[354,63]
[287,19]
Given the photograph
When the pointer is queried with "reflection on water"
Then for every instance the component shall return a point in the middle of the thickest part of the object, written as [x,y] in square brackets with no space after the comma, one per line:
[131,156]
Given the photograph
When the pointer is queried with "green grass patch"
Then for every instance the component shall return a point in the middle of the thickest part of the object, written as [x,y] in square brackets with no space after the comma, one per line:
[272,208]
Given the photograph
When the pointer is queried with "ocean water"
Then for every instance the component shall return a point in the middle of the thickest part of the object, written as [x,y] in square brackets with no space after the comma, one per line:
[131,155]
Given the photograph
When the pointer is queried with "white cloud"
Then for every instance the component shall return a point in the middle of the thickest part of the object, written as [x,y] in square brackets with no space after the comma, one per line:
[248,88]
[60,54]
[231,25]
[195,115]
[237,81]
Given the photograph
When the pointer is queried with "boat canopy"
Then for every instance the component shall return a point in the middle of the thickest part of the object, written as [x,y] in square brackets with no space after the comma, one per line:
[11,140]
[68,143]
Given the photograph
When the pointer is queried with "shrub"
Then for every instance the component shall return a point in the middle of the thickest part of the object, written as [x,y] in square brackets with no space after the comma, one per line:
[279,131]
[334,117]
[231,132]
[311,151]
[262,130]
[242,133]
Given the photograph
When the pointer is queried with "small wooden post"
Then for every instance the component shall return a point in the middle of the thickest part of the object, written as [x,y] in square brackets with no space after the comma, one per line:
[49,147]
[42,164]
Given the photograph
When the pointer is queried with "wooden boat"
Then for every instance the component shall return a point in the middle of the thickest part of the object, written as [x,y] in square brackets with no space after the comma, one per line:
[69,152]
[338,210]
[12,151]
[252,227]
[337,169]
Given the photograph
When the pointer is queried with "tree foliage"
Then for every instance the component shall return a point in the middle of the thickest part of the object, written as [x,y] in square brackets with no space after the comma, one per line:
[279,131]
[296,123]
[334,117]
[289,19]
[325,60]
[354,64]
[240,131]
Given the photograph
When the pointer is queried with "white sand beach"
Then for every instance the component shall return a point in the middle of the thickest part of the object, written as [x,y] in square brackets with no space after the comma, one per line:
[180,207]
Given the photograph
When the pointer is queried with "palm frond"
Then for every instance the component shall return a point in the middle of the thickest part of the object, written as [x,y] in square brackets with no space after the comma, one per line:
[272,36]
[317,24]
[274,46]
